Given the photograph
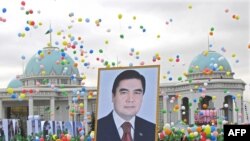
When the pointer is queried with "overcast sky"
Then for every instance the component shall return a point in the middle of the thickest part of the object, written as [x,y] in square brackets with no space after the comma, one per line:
[169,28]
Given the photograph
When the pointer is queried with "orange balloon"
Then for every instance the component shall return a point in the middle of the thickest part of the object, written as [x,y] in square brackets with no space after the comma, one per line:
[199,129]
[168,131]
[176,107]
[204,106]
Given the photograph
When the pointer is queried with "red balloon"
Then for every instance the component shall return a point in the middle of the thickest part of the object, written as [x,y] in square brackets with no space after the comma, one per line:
[23,3]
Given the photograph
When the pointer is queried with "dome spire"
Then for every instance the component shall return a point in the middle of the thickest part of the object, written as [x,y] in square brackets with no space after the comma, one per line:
[50,38]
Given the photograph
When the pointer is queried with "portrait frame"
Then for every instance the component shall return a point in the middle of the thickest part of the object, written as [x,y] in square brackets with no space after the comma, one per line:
[150,104]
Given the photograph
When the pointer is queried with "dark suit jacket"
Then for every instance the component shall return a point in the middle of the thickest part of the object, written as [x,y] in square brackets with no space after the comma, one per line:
[106,130]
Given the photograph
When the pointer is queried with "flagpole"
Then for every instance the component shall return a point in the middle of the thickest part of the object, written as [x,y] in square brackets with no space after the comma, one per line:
[50,35]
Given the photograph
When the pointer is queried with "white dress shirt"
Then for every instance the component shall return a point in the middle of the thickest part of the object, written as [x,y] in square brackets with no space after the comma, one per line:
[119,121]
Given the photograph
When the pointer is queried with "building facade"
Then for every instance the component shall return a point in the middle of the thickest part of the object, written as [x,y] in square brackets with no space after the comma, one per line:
[51,87]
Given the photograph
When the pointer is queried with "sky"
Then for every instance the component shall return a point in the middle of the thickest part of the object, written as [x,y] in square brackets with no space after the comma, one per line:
[126,33]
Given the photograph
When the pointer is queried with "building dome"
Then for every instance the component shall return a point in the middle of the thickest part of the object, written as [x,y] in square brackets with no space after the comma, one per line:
[50,61]
[15,83]
[209,61]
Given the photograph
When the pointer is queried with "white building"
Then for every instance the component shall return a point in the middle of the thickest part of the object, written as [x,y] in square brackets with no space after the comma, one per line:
[51,85]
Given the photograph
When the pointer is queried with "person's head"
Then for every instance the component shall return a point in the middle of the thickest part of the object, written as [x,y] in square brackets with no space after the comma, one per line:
[127,93]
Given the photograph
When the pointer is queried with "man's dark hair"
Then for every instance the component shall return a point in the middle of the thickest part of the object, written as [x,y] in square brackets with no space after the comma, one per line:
[128,74]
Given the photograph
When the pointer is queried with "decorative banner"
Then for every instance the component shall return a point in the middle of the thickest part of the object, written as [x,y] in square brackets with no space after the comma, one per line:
[205,117]
[9,128]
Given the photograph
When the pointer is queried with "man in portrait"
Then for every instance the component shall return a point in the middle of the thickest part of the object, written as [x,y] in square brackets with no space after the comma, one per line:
[122,123]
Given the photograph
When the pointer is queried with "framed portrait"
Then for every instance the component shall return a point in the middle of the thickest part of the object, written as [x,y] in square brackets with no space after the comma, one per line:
[127,103]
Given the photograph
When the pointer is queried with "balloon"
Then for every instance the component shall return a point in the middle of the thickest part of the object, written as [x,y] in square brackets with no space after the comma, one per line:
[4,10]
[226,105]
[207,130]
[87,20]
[10,90]
[23,3]
[22,96]
[119,16]
[81,105]
[190,6]
[27,28]
[199,129]
[168,131]
[204,106]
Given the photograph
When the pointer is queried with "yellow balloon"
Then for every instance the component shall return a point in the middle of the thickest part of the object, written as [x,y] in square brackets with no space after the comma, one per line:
[228,73]
[190,6]
[22,96]
[164,76]
[238,96]
[81,105]
[197,67]
[54,137]
[134,17]
[205,53]
[79,19]
[207,130]
[119,16]
[170,59]
[65,43]
[43,72]
[185,74]
[221,68]
[59,33]
[10,90]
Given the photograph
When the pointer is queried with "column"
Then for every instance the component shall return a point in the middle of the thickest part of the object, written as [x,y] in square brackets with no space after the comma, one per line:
[1,109]
[164,101]
[31,111]
[52,108]
[69,104]
[179,110]
[235,114]
[85,113]
[192,109]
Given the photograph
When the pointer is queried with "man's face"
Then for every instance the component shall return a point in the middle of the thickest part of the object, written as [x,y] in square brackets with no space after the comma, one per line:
[128,98]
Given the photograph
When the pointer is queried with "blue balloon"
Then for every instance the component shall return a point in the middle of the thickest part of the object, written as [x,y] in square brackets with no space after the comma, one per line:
[91,51]
[87,20]
[27,28]
[14,96]
[4,10]
[39,52]
[89,138]
[63,54]
[213,128]
[83,89]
